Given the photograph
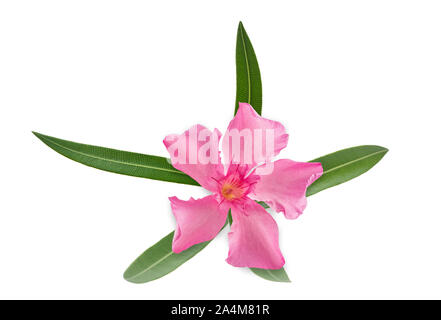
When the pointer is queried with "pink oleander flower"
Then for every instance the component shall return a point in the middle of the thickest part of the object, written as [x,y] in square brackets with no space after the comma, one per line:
[246,176]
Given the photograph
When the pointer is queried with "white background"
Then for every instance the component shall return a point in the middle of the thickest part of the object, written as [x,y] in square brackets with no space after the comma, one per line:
[124,74]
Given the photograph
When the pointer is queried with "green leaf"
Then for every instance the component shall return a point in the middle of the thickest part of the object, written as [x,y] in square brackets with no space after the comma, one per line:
[159,260]
[344,165]
[248,82]
[278,275]
[122,162]
[249,89]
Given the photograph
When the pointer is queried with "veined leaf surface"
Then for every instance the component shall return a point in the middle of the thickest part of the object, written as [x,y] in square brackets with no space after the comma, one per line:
[344,165]
[248,82]
[117,161]
[159,260]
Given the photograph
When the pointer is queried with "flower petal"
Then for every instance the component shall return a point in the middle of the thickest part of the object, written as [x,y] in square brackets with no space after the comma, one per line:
[251,139]
[254,238]
[196,152]
[197,221]
[284,190]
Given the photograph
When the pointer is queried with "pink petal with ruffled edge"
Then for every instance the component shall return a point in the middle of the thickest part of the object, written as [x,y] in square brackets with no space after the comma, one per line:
[253,145]
[284,190]
[197,221]
[254,238]
[199,159]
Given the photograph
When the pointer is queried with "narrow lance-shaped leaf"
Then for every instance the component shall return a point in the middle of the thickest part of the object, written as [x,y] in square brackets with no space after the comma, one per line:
[117,161]
[344,165]
[248,82]
[249,89]
[348,163]
[159,260]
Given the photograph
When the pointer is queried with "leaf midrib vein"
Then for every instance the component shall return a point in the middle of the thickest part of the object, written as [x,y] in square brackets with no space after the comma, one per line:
[152,266]
[247,65]
[111,160]
[272,275]
[353,161]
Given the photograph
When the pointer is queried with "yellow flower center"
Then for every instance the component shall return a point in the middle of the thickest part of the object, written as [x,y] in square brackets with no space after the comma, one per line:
[227,191]
[232,191]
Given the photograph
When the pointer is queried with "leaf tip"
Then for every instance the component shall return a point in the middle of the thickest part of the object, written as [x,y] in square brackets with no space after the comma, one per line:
[285,279]
[383,149]
[126,275]
[38,135]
